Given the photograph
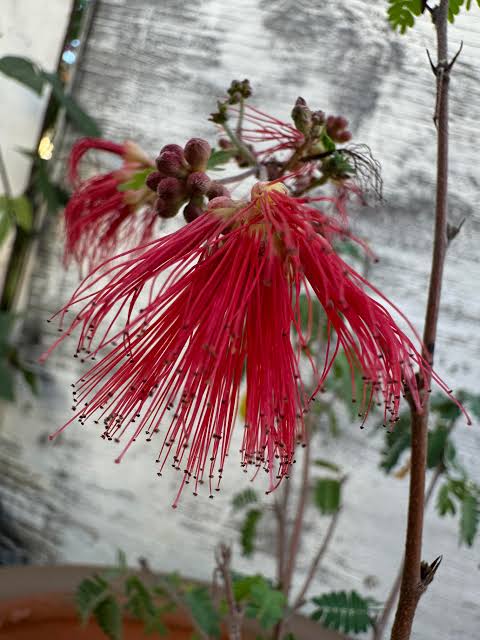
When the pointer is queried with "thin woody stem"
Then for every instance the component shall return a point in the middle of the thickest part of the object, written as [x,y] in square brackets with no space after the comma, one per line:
[412,586]
[379,629]
[298,522]
[300,599]
[281,538]
[289,562]
[223,558]
[239,176]
[242,149]
[241,113]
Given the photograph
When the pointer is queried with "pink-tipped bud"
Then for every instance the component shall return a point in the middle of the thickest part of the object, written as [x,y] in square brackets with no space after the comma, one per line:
[192,211]
[224,207]
[341,122]
[197,152]
[217,190]
[170,189]
[222,202]
[198,183]
[153,179]
[172,163]
[132,152]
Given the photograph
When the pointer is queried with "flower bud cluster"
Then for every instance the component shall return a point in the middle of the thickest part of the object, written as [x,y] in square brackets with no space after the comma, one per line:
[180,180]
[307,121]
[239,90]
[313,123]
[337,129]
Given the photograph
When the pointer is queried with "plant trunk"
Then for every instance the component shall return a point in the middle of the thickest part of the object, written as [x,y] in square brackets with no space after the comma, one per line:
[412,587]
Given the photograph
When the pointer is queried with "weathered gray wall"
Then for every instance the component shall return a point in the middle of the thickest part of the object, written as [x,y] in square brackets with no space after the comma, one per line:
[152,72]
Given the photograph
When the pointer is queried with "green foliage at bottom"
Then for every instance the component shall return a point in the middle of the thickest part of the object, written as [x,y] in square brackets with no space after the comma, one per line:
[202,610]
[260,600]
[346,612]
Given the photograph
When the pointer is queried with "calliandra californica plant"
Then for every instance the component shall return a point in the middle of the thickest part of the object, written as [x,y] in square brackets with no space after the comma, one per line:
[232,301]
[106,210]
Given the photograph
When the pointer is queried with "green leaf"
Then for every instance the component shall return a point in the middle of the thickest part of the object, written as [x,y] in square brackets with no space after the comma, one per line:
[7,386]
[23,212]
[472,400]
[242,585]
[397,440]
[454,9]
[24,71]
[109,617]
[469,519]
[90,592]
[346,612]
[141,605]
[6,222]
[401,13]
[445,504]
[220,156]
[337,166]
[437,443]
[7,321]
[78,117]
[326,464]
[327,495]
[458,488]
[30,378]
[248,531]
[137,181]
[444,407]
[54,196]
[244,498]
[201,607]
[265,604]
[20,208]
[327,143]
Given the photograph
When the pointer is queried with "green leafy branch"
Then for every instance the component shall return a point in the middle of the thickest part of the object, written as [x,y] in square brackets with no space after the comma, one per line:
[249,527]
[117,592]
[259,599]
[402,13]
[459,493]
[345,611]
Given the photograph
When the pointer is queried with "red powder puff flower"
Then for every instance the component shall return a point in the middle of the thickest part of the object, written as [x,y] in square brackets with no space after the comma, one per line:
[230,305]
[100,216]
